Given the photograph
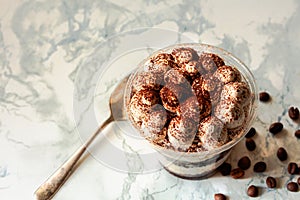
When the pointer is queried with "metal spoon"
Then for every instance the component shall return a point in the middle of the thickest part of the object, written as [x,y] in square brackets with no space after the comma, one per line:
[117,113]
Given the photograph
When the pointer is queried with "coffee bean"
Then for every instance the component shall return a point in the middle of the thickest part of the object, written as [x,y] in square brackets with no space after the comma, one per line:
[260,167]
[298,181]
[276,127]
[237,173]
[297,133]
[244,163]
[282,154]
[292,186]
[293,168]
[293,113]
[220,196]
[252,191]
[251,133]
[250,144]
[225,169]
[271,182]
[264,96]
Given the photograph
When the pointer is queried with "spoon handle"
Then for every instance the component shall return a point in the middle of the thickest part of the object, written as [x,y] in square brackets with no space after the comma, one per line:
[48,189]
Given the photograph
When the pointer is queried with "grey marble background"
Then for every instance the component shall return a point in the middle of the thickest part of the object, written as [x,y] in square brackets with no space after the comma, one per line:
[45,44]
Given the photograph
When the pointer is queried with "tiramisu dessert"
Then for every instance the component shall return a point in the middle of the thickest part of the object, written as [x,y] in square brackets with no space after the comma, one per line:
[189,100]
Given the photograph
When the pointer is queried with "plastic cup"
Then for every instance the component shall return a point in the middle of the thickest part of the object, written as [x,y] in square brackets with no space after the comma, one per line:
[201,164]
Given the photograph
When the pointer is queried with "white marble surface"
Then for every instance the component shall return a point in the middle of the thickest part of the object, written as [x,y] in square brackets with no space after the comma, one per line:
[46,85]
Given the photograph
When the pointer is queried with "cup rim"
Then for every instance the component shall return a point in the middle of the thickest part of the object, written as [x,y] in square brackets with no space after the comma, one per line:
[250,80]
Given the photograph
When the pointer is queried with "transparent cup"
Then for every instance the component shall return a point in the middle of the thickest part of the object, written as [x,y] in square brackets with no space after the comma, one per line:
[204,163]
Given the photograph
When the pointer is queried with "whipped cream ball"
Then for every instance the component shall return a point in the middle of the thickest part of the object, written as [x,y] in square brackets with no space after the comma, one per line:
[184,55]
[212,133]
[237,92]
[161,57]
[210,62]
[191,69]
[230,113]
[140,104]
[211,84]
[153,125]
[208,87]
[227,74]
[160,63]
[190,109]
[181,133]
[174,76]
[147,81]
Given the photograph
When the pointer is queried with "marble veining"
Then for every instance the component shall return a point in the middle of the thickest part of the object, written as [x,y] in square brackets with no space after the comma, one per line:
[51,53]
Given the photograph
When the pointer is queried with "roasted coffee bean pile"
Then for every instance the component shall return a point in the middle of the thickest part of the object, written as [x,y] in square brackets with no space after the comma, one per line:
[244,163]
